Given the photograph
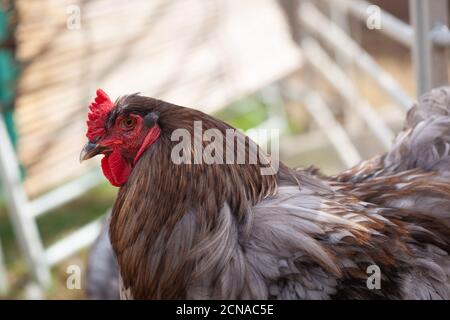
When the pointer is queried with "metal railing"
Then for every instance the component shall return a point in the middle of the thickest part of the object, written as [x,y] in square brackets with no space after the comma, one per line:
[427,37]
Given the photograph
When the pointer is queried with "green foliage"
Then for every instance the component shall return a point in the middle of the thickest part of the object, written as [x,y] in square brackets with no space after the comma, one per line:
[244,114]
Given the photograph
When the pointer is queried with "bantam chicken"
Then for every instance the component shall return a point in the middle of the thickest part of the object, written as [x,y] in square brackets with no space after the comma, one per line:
[226,231]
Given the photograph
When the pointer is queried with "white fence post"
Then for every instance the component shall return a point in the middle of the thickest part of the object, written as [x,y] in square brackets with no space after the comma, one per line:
[430,59]
[3,275]
[24,225]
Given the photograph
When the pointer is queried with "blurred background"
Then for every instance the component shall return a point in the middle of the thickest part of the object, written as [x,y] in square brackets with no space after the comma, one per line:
[335,77]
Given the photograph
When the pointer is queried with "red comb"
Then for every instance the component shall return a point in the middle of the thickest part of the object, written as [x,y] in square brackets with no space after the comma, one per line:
[98,111]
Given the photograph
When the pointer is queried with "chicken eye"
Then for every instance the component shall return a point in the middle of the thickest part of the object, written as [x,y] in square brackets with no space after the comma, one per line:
[128,123]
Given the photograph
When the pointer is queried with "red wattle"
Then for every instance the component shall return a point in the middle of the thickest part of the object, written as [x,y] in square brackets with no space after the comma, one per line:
[116,169]
[149,139]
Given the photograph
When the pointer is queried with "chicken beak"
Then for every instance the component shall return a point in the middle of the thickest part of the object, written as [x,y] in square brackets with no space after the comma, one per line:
[90,150]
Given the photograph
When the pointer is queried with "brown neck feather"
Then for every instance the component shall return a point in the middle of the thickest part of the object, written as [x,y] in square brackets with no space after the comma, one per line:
[150,209]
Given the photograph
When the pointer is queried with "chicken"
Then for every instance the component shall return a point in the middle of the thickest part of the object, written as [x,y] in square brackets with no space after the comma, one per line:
[202,230]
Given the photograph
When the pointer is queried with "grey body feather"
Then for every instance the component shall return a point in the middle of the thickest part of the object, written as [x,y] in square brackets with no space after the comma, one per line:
[102,276]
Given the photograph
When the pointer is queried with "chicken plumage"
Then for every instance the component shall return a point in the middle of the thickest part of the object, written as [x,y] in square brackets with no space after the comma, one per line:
[102,274]
[225,231]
